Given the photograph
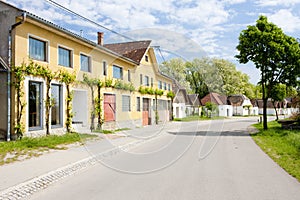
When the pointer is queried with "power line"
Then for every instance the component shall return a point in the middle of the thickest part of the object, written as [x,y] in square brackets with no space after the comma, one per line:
[87,19]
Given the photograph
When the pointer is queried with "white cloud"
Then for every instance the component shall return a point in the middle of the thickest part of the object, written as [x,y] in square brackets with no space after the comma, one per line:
[277,2]
[285,19]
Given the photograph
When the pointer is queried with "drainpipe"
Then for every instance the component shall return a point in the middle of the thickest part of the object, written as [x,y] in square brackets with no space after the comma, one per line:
[8,73]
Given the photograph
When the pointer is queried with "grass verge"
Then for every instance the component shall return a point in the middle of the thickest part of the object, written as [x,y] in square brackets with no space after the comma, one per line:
[111,131]
[283,146]
[29,147]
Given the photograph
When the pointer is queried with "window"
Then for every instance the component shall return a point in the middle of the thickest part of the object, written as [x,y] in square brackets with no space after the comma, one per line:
[165,86]
[125,103]
[169,87]
[129,78]
[104,65]
[64,57]
[35,104]
[138,104]
[117,72]
[146,82]
[37,49]
[56,109]
[85,63]
[151,82]
[146,58]
[141,79]
[159,85]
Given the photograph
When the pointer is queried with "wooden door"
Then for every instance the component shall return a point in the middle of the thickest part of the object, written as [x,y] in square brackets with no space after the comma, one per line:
[109,107]
[146,108]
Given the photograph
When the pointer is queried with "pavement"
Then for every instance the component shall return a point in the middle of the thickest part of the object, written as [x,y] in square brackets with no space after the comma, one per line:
[23,178]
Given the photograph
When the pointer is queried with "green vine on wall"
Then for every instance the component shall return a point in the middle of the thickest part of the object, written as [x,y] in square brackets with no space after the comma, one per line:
[157,92]
[19,73]
[18,78]
[68,79]
[96,102]
[171,95]
[98,108]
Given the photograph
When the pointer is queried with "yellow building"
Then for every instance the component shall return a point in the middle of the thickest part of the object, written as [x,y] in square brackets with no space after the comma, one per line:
[31,38]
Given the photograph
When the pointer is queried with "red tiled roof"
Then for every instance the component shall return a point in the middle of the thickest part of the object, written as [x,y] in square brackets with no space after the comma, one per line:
[214,98]
[133,50]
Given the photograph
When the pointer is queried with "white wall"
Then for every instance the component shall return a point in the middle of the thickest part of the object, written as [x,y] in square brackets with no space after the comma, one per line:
[179,110]
[225,110]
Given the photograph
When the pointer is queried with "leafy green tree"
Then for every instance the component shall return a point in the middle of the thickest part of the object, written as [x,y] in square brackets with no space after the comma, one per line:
[275,54]
[217,75]
[175,69]
[195,77]
[210,108]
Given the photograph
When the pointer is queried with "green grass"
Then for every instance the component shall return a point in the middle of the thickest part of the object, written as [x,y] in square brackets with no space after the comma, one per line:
[196,118]
[29,147]
[283,146]
[111,131]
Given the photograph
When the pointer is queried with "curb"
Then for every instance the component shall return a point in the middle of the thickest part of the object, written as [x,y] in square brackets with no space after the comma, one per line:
[27,188]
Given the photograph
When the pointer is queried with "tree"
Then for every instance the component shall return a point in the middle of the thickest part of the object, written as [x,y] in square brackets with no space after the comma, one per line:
[278,94]
[175,69]
[217,75]
[195,77]
[275,54]
[210,108]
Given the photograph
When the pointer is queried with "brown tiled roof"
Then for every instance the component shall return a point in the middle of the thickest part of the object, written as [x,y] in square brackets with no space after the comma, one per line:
[194,100]
[132,50]
[237,99]
[259,103]
[181,97]
[214,98]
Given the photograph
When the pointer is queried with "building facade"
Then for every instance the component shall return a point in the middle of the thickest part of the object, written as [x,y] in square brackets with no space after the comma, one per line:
[28,38]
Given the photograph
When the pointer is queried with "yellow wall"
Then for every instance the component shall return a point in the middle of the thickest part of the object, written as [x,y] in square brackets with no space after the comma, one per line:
[56,38]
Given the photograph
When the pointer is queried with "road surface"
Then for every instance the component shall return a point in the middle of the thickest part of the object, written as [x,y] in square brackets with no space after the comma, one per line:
[214,160]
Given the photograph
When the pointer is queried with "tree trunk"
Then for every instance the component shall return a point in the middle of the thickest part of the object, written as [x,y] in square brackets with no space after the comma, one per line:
[92,127]
[69,121]
[265,102]
[273,102]
[171,115]
[156,112]
[99,125]
[48,107]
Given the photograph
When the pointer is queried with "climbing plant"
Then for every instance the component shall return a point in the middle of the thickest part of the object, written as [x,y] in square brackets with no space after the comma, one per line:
[18,78]
[96,102]
[157,92]
[19,74]
[68,79]
[90,82]
[171,95]
[98,107]
[48,75]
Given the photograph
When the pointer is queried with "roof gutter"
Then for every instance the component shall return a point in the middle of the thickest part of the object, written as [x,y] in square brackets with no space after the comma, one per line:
[9,74]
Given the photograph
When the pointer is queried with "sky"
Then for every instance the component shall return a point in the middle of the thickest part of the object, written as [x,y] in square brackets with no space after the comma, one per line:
[181,28]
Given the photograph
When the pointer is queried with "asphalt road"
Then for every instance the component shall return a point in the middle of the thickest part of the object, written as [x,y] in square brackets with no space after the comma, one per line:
[195,160]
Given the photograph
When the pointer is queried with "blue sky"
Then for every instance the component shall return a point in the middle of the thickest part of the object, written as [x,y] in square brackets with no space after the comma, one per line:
[183,27]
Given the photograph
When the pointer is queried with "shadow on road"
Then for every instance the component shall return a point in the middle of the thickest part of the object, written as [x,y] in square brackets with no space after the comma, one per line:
[212,133]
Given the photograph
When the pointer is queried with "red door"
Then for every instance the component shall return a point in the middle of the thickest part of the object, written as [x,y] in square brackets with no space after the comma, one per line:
[109,107]
[146,108]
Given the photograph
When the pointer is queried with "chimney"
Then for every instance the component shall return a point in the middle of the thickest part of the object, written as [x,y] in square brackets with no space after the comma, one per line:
[100,38]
